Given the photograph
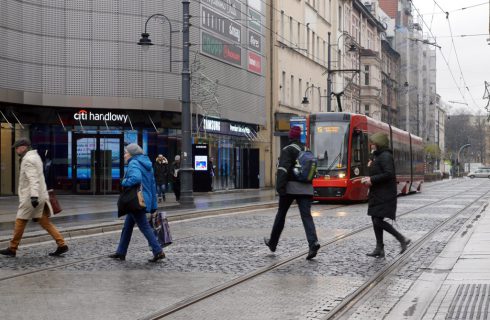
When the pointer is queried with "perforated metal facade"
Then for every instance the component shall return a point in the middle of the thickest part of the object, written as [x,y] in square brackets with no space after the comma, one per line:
[84,53]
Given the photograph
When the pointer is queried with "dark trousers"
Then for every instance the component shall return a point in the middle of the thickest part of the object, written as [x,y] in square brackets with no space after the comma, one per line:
[176,187]
[379,225]
[304,204]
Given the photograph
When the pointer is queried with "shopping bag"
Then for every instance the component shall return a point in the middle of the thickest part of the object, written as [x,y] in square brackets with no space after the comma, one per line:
[54,202]
[159,223]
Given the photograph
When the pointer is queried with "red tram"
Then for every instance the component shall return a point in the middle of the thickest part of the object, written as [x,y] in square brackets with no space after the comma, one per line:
[340,142]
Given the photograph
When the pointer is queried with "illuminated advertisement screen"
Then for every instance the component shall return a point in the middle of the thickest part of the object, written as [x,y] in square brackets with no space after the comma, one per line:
[201,163]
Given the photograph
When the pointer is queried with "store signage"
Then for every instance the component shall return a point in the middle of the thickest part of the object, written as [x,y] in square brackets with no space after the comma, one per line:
[254,41]
[240,129]
[231,8]
[213,125]
[92,116]
[221,25]
[219,49]
[254,62]
[255,21]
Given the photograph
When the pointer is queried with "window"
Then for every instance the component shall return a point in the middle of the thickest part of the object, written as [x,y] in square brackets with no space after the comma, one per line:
[366,109]
[366,75]
[323,51]
[313,45]
[307,40]
[299,35]
[300,88]
[340,18]
[291,39]
[292,102]
[282,25]
[283,87]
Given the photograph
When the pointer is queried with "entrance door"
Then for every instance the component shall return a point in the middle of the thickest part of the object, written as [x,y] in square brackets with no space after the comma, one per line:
[251,168]
[98,163]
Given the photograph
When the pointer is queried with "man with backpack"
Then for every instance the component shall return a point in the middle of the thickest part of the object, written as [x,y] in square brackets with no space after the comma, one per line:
[294,182]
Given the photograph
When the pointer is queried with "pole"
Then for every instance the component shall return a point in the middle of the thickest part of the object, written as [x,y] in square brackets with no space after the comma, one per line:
[461,149]
[186,198]
[418,125]
[329,76]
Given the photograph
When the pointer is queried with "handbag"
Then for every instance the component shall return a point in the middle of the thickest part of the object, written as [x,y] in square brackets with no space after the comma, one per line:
[159,223]
[130,200]
[53,200]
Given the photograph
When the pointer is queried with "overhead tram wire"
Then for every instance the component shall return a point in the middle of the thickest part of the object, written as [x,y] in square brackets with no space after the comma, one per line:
[442,53]
[456,53]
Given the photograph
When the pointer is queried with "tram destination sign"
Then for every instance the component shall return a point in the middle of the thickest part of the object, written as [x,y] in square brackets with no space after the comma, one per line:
[231,8]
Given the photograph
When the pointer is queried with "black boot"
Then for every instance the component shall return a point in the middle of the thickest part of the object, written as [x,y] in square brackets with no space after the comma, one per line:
[404,243]
[8,252]
[59,251]
[378,252]
[158,257]
[117,256]
[267,243]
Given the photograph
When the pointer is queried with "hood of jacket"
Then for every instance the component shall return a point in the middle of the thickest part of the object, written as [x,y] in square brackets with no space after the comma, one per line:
[143,161]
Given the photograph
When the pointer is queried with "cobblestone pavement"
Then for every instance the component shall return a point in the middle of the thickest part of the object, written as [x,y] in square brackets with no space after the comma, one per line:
[210,251]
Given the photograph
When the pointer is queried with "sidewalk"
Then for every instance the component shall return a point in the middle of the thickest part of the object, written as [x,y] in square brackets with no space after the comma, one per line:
[81,210]
[457,284]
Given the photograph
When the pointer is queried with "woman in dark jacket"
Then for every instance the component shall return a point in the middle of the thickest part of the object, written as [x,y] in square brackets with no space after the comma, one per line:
[139,173]
[160,168]
[382,193]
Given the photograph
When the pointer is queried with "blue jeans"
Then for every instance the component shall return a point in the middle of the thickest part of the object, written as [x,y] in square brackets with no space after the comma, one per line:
[142,222]
[161,188]
[304,205]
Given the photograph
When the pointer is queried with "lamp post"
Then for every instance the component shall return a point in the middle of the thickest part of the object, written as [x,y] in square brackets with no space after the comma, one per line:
[186,196]
[461,149]
[305,97]
[329,71]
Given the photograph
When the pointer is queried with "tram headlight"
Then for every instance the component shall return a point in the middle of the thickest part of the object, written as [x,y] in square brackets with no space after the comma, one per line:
[341,175]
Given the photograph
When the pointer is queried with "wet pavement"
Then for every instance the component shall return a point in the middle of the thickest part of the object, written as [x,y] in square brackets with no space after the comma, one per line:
[209,251]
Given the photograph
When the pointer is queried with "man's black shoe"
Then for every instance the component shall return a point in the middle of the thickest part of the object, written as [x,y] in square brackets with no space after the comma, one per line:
[404,244]
[59,251]
[313,251]
[117,256]
[159,256]
[8,252]
[266,241]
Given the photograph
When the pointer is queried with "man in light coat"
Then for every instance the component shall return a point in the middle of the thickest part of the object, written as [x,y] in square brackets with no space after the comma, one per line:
[33,199]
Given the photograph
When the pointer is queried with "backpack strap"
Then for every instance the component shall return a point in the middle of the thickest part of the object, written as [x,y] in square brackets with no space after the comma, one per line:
[295,146]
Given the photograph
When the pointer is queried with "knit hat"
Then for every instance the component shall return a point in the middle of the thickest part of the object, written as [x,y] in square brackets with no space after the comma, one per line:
[177,158]
[295,133]
[21,142]
[380,139]
[134,149]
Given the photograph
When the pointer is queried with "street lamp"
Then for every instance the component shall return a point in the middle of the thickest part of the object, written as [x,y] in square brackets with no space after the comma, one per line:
[352,48]
[305,98]
[186,197]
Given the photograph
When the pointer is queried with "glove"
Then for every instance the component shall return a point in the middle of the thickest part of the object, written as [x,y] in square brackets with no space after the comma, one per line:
[34,202]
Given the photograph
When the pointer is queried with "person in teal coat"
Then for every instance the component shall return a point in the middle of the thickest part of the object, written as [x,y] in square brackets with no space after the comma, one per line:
[139,172]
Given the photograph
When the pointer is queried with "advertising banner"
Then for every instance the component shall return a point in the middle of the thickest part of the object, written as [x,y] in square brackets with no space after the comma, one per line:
[221,25]
[221,50]
[254,62]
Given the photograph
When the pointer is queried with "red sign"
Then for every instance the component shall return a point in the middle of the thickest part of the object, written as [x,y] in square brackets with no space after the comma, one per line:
[254,62]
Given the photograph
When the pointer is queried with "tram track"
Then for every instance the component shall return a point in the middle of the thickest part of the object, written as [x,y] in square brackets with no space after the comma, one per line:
[252,275]
[343,308]
[232,283]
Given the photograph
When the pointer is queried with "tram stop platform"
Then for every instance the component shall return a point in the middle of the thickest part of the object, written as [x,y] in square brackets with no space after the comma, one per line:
[457,283]
[89,214]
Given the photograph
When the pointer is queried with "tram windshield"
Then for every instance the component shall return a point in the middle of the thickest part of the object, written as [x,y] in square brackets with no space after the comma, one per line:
[329,143]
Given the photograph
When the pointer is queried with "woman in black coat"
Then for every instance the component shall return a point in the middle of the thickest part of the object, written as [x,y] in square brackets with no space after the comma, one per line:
[382,193]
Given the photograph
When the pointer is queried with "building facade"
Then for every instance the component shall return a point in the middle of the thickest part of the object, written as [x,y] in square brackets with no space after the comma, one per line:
[75,81]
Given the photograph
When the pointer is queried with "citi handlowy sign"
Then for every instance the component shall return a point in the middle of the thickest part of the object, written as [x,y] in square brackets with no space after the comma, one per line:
[107,116]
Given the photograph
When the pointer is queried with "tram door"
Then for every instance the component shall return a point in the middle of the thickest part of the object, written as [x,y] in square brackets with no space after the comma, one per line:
[98,163]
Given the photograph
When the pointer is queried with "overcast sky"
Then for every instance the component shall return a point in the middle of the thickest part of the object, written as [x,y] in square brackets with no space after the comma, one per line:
[473,51]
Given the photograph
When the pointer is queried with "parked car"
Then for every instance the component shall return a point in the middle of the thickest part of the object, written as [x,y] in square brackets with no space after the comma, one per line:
[480,173]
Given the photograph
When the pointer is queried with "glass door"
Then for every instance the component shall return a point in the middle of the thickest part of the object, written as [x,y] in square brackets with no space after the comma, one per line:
[97,163]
